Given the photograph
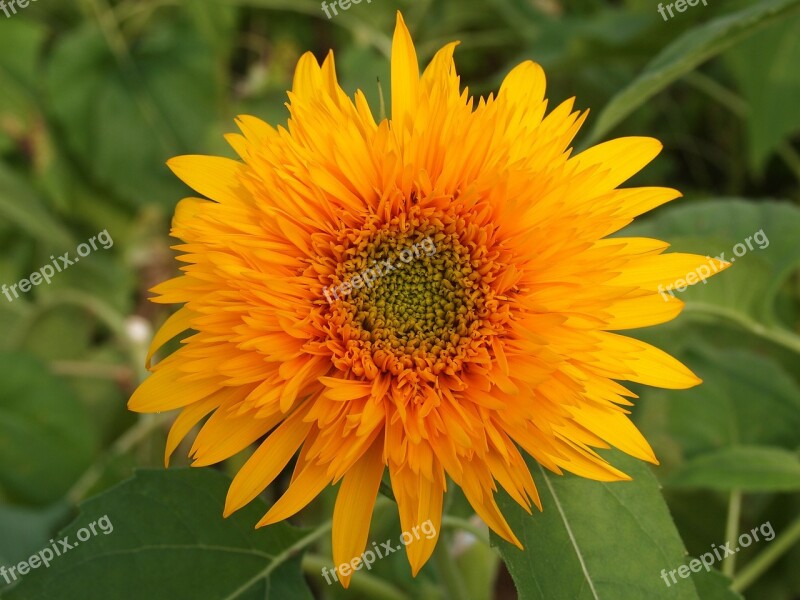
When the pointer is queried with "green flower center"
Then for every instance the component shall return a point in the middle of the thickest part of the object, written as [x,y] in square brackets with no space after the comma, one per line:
[412,293]
[419,298]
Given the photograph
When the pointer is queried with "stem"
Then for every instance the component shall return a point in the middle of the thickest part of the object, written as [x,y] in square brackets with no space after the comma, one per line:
[732,530]
[786,339]
[161,127]
[791,157]
[451,522]
[369,585]
[719,93]
[449,574]
[76,368]
[761,563]
[105,313]
[128,440]
[387,491]
[282,558]
[381,101]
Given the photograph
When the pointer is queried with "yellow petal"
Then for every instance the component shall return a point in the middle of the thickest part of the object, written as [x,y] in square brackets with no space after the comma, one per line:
[480,496]
[166,389]
[308,484]
[354,504]
[216,178]
[267,461]
[662,272]
[307,77]
[189,417]
[226,434]
[405,74]
[617,160]
[177,323]
[648,364]
[632,313]
[615,428]
[419,502]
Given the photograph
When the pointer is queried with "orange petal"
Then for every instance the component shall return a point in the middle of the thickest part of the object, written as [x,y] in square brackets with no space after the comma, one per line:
[354,504]
[308,484]
[267,461]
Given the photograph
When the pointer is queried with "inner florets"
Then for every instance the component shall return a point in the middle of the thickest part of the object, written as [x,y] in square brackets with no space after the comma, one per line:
[419,298]
[408,295]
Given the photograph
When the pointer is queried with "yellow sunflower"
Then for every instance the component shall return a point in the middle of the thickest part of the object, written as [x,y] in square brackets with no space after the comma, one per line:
[429,293]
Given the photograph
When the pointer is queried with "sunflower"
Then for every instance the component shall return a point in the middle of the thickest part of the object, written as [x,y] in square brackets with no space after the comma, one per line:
[431,294]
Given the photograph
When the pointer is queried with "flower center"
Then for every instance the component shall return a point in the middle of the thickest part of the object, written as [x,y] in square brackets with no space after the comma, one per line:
[419,299]
[410,295]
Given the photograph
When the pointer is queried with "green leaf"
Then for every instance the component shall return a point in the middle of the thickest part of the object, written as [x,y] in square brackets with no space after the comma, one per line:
[22,206]
[765,70]
[63,334]
[167,539]
[20,45]
[746,468]
[721,412]
[713,585]
[44,432]
[687,52]
[124,115]
[26,530]
[595,540]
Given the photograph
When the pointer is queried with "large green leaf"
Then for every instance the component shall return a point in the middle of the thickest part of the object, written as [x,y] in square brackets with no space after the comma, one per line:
[124,115]
[746,468]
[687,52]
[765,69]
[46,438]
[595,540]
[167,539]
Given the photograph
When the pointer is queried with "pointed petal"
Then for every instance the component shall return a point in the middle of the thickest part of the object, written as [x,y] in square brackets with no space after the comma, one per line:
[267,461]
[177,323]
[215,177]
[308,484]
[354,503]
[405,74]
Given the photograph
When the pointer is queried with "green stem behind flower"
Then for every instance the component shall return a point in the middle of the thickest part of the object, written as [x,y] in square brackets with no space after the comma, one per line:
[363,582]
[449,575]
[761,563]
[732,530]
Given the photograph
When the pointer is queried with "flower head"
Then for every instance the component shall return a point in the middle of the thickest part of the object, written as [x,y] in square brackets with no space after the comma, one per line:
[428,294]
